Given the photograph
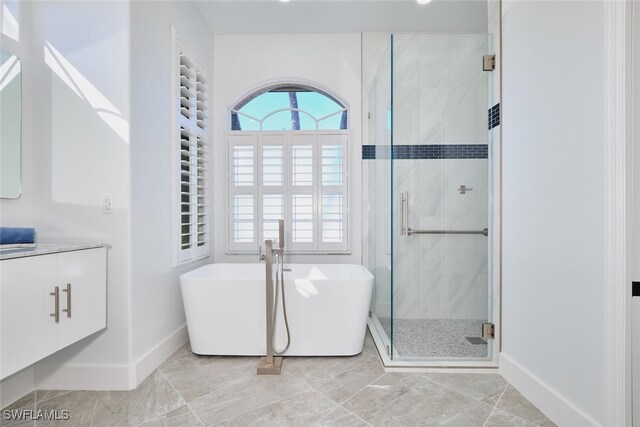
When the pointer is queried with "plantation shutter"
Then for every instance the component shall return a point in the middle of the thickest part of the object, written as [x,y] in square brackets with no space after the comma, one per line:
[192,204]
[243,193]
[301,177]
[333,193]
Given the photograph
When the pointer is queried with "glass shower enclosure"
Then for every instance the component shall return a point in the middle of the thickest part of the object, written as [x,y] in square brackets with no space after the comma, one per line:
[427,237]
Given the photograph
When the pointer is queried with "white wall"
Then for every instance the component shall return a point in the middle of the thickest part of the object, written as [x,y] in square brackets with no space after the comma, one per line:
[81,149]
[635,221]
[101,124]
[244,62]
[19,212]
[343,16]
[157,309]
[553,206]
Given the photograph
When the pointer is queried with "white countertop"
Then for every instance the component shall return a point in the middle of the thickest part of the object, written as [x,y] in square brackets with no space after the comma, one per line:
[47,248]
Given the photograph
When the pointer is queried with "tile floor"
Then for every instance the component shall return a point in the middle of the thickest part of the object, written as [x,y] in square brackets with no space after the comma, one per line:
[435,337]
[190,390]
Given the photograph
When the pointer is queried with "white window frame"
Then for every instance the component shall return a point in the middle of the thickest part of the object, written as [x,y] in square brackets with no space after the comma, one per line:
[315,137]
[198,128]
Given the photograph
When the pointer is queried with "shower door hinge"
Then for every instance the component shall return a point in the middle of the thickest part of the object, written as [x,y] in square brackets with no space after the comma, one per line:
[369,116]
[388,350]
[488,331]
[488,62]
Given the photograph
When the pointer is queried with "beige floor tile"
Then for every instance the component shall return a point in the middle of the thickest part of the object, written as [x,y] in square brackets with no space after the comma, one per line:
[42,395]
[153,398]
[181,417]
[190,390]
[25,401]
[195,381]
[369,345]
[339,378]
[84,409]
[245,392]
[397,400]
[184,359]
[515,403]
[309,409]
[503,419]
[18,415]
[485,387]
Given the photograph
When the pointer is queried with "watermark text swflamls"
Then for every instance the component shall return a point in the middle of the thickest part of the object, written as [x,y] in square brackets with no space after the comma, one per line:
[31,414]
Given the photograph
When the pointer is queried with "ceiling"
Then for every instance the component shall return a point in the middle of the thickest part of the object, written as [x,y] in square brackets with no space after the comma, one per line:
[342,16]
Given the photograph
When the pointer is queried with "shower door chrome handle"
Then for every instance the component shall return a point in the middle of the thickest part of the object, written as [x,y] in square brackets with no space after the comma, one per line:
[404,226]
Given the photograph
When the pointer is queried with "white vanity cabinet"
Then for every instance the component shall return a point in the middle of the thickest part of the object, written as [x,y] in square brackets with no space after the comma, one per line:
[34,322]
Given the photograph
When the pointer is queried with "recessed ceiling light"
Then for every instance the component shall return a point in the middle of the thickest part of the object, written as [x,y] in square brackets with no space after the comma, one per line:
[285,1]
[424,1]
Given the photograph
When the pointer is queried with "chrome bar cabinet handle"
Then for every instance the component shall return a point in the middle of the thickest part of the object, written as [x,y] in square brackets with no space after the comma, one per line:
[68,309]
[56,312]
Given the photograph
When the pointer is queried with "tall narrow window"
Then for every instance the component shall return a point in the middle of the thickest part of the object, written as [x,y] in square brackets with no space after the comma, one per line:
[191,148]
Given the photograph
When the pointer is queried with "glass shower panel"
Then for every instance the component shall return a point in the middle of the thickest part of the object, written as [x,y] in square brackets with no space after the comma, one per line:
[378,163]
[440,201]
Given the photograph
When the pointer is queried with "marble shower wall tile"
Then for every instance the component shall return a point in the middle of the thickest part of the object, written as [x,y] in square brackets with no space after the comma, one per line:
[432,114]
[464,60]
[434,59]
[375,49]
[466,115]
[440,90]
[472,173]
[441,276]
[440,97]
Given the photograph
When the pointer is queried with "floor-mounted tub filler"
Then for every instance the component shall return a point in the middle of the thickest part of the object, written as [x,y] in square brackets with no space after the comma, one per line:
[327,306]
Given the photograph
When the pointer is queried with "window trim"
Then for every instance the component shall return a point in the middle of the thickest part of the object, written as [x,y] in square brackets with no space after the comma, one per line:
[180,256]
[233,248]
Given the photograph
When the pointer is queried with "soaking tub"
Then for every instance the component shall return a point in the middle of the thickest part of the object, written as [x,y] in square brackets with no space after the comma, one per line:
[327,306]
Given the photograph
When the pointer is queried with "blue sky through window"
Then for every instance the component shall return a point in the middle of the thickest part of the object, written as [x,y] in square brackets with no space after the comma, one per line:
[315,103]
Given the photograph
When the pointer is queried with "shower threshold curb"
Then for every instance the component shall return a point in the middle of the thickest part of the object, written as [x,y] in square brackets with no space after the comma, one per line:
[426,365]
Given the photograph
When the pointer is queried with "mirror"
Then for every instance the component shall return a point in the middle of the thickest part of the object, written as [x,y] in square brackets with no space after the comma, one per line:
[10,125]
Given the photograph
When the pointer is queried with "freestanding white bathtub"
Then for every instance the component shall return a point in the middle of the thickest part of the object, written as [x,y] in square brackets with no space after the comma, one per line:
[327,305]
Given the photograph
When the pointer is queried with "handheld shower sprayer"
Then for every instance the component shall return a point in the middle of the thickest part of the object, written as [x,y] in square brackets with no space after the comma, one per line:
[271,365]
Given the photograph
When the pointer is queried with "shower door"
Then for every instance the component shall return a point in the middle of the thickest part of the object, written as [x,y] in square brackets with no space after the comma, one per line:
[440,286]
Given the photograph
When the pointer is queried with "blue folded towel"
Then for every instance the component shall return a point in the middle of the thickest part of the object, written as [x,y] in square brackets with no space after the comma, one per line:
[17,235]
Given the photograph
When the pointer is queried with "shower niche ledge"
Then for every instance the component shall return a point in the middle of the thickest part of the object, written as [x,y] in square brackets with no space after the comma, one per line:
[51,296]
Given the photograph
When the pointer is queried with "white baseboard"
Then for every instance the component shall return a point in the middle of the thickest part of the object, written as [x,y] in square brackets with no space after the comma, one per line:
[151,360]
[84,377]
[553,404]
[109,377]
[16,386]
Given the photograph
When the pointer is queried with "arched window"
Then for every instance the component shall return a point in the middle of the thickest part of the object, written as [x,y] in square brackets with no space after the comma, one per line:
[289,107]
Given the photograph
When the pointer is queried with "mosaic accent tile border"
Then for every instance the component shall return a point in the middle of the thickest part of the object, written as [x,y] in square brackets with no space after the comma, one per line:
[494,116]
[416,152]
